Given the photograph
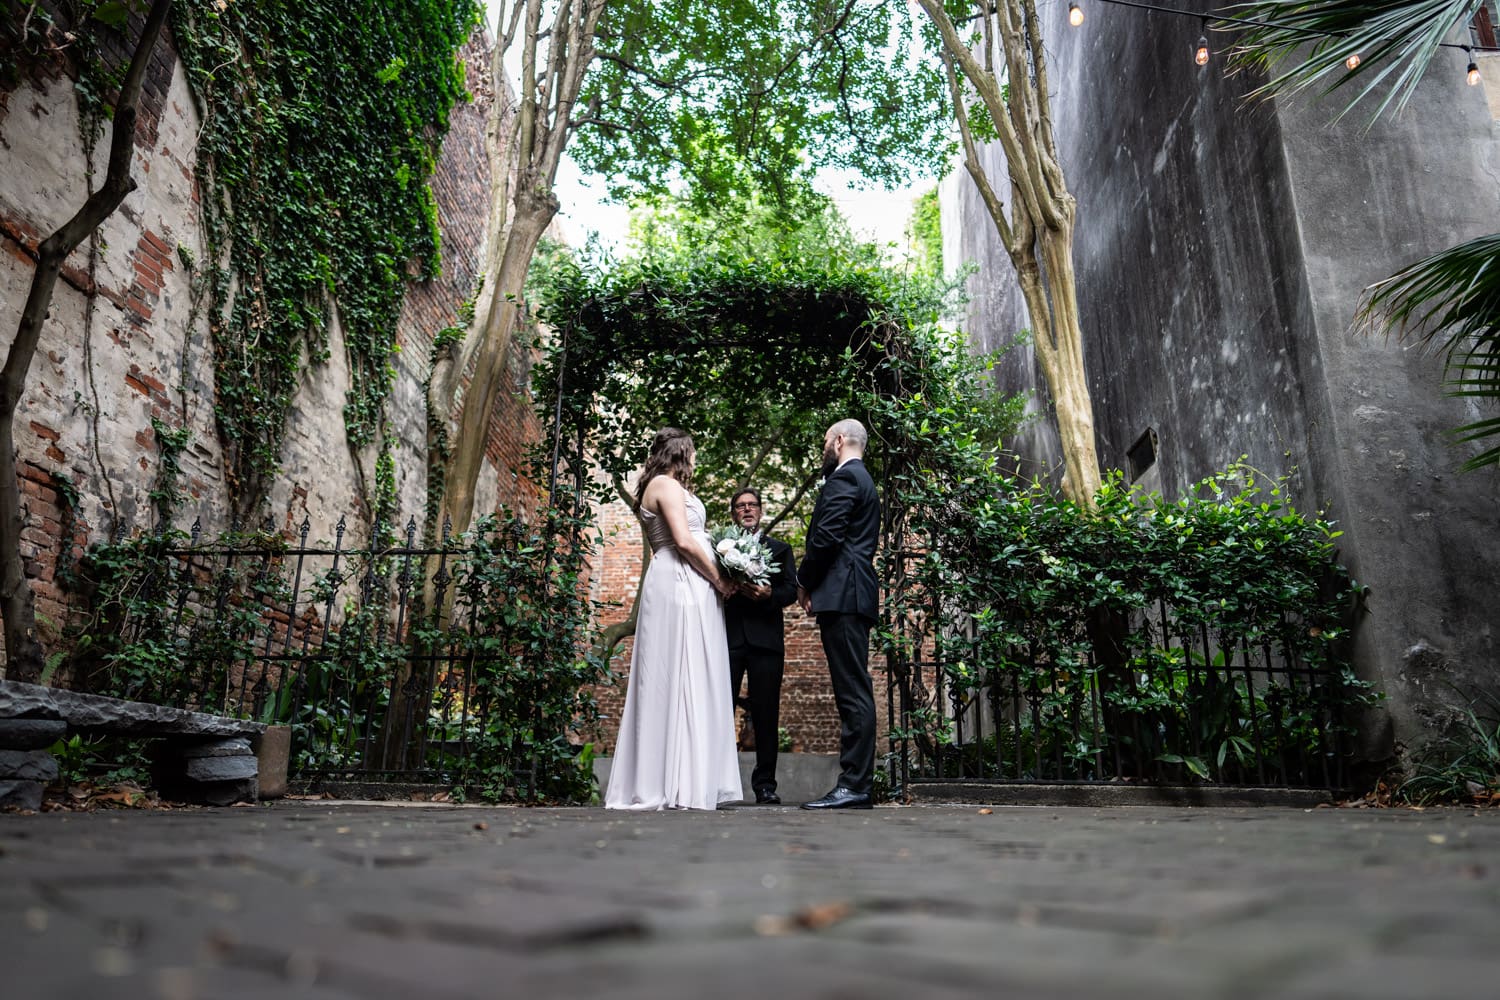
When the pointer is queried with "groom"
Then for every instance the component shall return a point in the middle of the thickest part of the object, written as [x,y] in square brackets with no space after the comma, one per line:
[837,583]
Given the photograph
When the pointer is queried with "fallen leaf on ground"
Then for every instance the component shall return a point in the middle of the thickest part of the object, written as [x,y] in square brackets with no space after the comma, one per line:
[85,796]
[809,918]
[821,915]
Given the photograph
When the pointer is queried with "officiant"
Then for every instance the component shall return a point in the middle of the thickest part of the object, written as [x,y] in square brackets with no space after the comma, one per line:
[757,644]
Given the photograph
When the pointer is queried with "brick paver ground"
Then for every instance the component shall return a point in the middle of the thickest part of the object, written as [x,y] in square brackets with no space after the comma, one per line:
[303,900]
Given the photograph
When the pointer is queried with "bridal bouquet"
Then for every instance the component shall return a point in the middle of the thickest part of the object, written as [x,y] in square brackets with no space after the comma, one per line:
[743,557]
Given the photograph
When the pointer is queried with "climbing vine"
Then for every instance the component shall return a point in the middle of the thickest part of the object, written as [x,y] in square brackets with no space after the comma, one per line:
[321,123]
[66,35]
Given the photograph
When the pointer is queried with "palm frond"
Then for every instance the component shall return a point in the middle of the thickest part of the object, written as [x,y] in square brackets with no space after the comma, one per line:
[1308,43]
[1449,301]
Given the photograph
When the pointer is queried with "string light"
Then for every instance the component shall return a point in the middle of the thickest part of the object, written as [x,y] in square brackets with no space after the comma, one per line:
[1202,53]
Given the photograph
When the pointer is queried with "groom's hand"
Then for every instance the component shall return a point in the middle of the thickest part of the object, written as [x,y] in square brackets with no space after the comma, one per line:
[804,599]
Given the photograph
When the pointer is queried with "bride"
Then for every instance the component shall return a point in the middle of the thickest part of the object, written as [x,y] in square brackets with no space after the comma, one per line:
[676,747]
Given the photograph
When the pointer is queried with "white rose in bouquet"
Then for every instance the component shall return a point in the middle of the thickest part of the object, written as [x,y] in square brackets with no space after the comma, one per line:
[742,556]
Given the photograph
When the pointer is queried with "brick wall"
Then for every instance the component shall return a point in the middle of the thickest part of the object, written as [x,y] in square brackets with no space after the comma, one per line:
[126,341]
[461,184]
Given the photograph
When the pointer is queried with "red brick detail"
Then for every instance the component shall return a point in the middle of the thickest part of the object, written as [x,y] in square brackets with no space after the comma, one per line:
[42,537]
[151,387]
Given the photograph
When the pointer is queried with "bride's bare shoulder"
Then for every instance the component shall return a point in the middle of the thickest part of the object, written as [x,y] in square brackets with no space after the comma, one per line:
[662,489]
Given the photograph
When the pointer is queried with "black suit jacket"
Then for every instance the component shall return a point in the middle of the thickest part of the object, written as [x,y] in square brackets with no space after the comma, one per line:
[757,624]
[839,567]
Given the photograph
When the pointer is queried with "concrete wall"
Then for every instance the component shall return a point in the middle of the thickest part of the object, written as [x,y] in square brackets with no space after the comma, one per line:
[1222,245]
[1421,534]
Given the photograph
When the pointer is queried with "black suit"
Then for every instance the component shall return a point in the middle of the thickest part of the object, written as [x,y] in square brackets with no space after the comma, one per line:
[757,645]
[838,571]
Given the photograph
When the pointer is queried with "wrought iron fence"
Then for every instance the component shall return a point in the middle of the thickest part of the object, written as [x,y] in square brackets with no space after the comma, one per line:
[1150,696]
[457,663]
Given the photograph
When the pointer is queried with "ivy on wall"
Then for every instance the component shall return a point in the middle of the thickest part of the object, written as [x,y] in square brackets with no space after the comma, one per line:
[321,123]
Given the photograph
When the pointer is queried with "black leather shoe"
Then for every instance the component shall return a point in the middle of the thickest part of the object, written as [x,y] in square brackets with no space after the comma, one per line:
[841,798]
[767,797]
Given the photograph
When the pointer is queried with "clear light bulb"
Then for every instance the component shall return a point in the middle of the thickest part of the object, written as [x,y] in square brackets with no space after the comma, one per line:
[1201,55]
[1353,61]
[1473,75]
[1075,14]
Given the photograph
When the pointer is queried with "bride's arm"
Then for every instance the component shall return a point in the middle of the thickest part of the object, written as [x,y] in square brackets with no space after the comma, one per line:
[668,500]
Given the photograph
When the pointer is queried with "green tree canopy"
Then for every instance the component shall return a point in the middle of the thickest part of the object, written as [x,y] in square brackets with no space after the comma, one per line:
[747,97]
[727,98]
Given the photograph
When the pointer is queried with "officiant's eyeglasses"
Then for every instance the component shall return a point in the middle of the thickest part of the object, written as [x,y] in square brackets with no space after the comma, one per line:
[747,505]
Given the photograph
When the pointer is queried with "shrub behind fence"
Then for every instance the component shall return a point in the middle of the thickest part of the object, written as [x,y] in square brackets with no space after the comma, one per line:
[458,663]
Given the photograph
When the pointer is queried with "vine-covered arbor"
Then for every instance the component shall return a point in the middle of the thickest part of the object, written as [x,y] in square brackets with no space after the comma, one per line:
[746,354]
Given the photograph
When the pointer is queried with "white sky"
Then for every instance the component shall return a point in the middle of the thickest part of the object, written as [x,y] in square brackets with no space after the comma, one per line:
[874,215]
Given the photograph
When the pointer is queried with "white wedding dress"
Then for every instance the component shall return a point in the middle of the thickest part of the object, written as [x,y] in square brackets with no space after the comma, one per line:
[676,747]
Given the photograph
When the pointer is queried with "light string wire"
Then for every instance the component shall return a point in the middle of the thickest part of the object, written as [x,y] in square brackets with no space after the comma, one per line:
[1228,19]
[1201,50]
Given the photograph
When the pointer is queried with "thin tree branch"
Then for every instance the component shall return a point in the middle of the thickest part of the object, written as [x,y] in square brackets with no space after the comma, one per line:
[759,459]
[23,652]
[988,89]
[971,156]
[791,505]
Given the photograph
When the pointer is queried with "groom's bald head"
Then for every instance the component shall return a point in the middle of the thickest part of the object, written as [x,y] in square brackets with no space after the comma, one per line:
[844,440]
[854,434]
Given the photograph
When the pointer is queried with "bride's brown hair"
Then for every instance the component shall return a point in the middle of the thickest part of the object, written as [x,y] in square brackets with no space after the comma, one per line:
[671,454]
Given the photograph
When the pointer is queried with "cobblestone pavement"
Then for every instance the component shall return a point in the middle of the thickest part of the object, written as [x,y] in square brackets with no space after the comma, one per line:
[312,899]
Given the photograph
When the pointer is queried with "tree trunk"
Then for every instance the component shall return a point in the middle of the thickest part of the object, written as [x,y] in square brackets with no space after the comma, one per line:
[533,215]
[17,604]
[465,459]
[1067,378]
[1038,236]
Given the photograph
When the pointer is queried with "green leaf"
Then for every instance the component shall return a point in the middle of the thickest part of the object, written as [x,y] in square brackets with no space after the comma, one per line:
[112,13]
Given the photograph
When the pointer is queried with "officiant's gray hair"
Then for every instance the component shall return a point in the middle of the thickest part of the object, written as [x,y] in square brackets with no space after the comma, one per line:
[852,431]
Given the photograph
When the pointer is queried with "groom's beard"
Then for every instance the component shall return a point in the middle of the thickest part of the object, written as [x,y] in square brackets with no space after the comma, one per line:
[830,463]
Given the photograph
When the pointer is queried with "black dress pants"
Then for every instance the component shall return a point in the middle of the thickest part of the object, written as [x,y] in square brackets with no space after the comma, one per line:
[846,644]
[765,668]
